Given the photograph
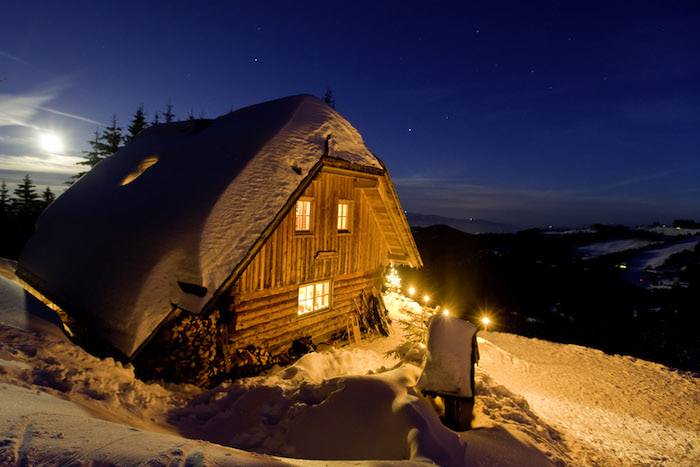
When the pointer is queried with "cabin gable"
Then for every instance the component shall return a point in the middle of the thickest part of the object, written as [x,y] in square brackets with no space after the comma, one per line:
[351,260]
[290,256]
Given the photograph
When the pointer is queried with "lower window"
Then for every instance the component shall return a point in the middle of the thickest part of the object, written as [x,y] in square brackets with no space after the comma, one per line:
[314,297]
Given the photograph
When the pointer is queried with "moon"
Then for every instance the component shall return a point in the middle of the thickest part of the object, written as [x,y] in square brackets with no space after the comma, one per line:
[51,143]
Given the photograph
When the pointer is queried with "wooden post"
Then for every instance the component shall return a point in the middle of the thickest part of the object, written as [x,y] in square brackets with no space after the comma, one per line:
[353,329]
[459,412]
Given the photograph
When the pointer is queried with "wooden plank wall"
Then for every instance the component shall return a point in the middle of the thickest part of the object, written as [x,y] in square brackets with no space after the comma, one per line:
[288,257]
[268,288]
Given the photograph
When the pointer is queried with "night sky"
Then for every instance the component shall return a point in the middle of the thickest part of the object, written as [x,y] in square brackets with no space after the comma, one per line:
[531,113]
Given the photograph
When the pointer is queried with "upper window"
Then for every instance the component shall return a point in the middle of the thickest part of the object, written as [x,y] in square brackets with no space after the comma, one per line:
[303,216]
[141,168]
[314,297]
[343,216]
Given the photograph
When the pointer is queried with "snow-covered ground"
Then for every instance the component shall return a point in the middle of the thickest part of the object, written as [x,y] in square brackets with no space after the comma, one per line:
[613,410]
[597,249]
[653,259]
[537,403]
[673,231]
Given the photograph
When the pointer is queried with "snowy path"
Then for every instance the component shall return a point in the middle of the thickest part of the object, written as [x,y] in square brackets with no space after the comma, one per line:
[614,410]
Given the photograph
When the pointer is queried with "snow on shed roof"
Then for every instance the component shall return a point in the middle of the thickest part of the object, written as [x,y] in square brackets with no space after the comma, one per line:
[182,203]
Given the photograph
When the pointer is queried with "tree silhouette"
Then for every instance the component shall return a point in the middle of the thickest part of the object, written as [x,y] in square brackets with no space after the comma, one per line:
[168,114]
[90,158]
[328,97]
[4,201]
[111,139]
[47,197]
[137,124]
[25,204]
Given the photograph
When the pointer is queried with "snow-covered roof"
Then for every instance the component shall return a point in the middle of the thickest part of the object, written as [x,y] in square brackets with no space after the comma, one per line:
[182,203]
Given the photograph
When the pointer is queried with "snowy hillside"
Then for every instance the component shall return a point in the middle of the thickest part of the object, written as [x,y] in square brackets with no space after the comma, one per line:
[537,403]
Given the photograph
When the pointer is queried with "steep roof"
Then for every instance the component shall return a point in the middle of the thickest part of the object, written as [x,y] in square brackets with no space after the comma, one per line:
[167,219]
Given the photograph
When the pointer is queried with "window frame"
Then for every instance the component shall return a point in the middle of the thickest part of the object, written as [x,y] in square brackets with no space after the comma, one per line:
[348,216]
[314,297]
[310,216]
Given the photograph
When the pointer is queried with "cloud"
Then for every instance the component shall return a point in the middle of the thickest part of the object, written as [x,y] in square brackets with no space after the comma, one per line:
[19,110]
[64,114]
[12,57]
[640,179]
[53,163]
[524,207]
[14,139]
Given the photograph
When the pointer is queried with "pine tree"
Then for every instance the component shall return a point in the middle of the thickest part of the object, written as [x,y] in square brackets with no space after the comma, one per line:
[137,124]
[168,114]
[392,281]
[47,197]
[26,204]
[103,146]
[328,97]
[7,227]
[91,158]
[111,139]
[4,201]
[156,119]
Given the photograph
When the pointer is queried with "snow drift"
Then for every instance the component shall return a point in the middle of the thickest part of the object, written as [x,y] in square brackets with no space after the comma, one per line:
[537,403]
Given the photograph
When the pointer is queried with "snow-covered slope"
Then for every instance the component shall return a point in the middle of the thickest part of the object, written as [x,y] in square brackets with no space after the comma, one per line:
[614,410]
[612,246]
[344,406]
[655,258]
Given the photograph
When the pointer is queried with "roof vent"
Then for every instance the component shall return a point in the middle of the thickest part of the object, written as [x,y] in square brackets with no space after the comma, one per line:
[141,168]
[193,289]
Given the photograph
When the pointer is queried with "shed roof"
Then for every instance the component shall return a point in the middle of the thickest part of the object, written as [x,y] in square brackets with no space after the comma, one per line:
[165,220]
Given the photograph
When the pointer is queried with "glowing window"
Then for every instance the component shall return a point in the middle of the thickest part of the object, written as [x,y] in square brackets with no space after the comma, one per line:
[303,220]
[141,168]
[343,213]
[314,297]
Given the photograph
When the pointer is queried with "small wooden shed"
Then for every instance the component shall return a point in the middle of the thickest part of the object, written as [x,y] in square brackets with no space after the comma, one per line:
[207,247]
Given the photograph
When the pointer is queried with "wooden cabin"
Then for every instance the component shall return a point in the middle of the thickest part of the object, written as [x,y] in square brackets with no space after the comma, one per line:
[270,262]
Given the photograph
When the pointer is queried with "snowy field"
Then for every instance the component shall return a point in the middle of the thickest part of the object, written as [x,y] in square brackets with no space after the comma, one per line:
[597,249]
[538,403]
[655,258]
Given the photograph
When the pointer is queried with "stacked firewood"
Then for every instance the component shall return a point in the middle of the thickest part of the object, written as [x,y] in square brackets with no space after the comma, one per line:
[252,360]
[187,350]
[372,313]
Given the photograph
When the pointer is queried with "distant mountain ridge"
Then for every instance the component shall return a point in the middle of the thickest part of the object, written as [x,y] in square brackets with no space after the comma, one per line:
[468,225]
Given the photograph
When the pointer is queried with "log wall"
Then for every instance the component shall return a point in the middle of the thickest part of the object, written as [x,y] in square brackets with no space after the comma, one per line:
[271,320]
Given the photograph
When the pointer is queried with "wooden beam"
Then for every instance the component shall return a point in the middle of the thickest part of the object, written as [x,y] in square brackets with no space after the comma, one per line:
[364,184]
[331,254]
[400,258]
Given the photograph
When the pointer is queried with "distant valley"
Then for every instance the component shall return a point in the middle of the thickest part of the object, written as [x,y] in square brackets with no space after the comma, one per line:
[627,291]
